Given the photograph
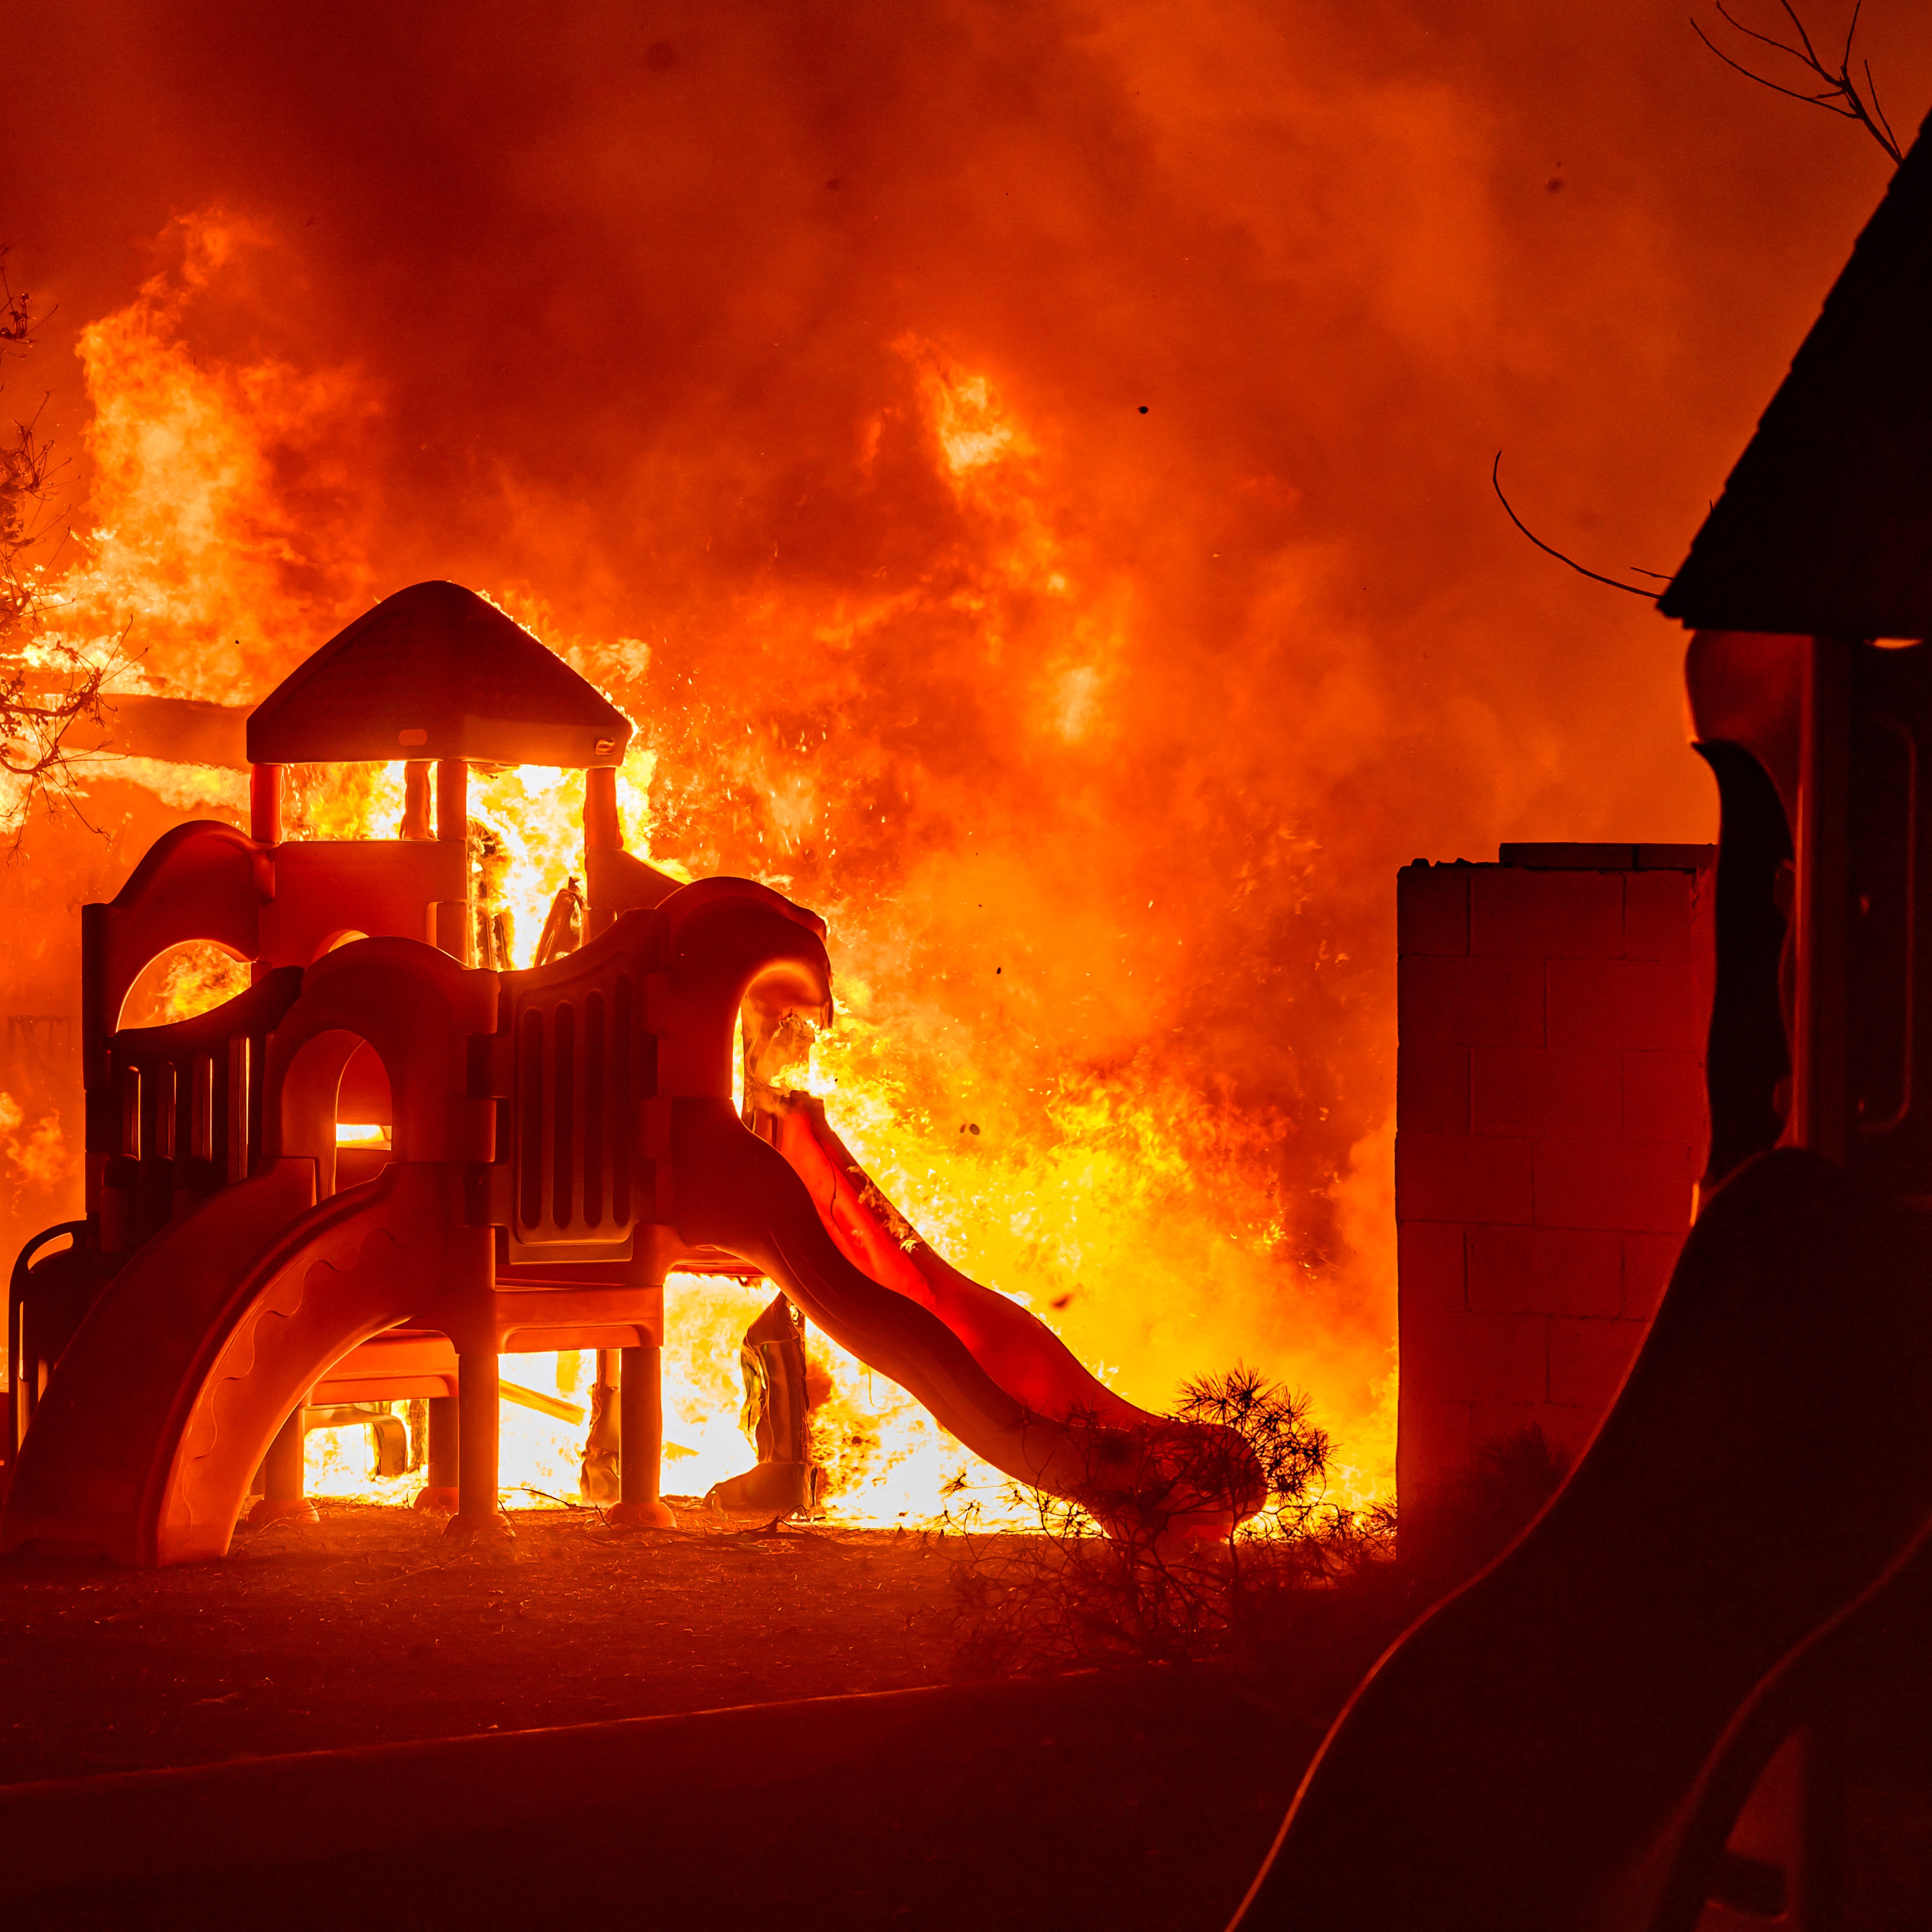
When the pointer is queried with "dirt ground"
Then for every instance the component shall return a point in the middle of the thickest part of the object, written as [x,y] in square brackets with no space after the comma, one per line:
[1145,1811]
[368,1627]
[1150,1815]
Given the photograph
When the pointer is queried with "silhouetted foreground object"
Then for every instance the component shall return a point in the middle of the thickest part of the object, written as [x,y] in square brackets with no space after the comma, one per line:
[1825,527]
[550,1142]
[1571,1741]
[1510,1759]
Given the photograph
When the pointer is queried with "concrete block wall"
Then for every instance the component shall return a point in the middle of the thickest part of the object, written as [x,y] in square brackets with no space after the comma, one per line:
[1550,1126]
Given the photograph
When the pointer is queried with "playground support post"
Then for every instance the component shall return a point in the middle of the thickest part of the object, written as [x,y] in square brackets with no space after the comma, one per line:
[265,804]
[264,823]
[440,1476]
[283,1473]
[477,1513]
[640,1429]
[452,827]
[415,799]
[603,832]
[603,826]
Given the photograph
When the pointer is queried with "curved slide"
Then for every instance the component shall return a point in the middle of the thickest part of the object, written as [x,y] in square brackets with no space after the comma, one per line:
[995,1377]
[1019,1351]
[167,1398]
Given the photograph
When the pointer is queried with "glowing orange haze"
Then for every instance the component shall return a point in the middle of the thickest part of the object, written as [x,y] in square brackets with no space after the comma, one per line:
[1026,476]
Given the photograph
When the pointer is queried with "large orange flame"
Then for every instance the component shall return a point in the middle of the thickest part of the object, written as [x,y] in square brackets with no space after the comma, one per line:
[1027,469]
[1047,1046]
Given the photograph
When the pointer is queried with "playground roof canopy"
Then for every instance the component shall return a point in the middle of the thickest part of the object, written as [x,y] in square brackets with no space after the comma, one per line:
[1825,528]
[435,672]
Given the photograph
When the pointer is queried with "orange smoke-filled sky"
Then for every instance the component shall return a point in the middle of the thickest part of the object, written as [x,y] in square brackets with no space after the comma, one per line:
[1026,467]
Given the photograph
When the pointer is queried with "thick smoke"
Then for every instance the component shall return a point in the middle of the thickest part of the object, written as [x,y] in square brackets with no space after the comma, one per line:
[1026,468]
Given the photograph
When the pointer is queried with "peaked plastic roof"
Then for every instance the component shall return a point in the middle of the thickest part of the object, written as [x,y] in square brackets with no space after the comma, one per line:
[1825,528]
[434,672]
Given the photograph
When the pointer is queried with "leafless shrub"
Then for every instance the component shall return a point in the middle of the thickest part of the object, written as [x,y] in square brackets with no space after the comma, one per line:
[1307,1594]
[1073,1595]
[26,470]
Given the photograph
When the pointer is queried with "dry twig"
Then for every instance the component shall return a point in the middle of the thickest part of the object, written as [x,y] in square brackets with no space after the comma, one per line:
[47,685]
[1839,92]
[1549,550]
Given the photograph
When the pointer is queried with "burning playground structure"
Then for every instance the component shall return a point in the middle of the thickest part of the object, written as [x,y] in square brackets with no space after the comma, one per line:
[394,1160]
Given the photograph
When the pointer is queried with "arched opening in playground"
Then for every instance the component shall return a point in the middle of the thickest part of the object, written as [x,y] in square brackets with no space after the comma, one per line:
[337,1110]
[188,978]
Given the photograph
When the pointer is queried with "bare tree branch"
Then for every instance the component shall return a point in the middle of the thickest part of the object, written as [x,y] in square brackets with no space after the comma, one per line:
[1840,94]
[1595,576]
[1871,87]
[47,683]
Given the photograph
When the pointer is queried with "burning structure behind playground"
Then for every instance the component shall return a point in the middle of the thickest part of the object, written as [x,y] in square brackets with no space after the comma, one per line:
[385,1165]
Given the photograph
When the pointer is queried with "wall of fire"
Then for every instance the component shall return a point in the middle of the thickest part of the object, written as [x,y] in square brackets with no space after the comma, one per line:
[1550,1126]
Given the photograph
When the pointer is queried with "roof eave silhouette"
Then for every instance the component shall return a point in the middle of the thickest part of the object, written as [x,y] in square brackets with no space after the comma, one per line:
[1825,526]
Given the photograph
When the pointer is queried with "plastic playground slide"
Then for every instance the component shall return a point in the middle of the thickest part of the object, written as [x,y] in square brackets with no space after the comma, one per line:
[1020,1352]
[995,1376]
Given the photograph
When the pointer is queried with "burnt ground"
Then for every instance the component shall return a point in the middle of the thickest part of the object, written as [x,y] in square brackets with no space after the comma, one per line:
[366,1628]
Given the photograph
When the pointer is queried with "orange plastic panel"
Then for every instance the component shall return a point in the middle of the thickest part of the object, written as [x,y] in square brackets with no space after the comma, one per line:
[380,888]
